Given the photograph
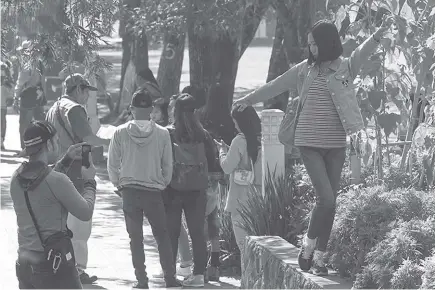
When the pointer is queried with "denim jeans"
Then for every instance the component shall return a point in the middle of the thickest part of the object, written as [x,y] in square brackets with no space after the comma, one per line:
[184,251]
[193,204]
[40,276]
[136,204]
[324,166]
[26,117]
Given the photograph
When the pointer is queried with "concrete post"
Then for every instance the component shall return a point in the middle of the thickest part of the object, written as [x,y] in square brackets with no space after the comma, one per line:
[273,152]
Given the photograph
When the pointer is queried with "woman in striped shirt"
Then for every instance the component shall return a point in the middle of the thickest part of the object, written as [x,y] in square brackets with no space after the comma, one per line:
[327,111]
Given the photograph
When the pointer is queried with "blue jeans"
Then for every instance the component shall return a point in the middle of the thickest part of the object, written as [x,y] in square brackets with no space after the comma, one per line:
[324,166]
[41,276]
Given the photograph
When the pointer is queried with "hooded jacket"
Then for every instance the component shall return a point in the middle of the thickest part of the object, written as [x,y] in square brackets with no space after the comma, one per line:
[52,196]
[140,155]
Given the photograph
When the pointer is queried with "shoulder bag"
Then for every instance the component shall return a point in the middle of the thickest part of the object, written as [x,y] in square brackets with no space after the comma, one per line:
[245,177]
[58,247]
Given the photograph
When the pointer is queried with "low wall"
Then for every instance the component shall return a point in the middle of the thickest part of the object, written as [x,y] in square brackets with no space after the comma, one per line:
[270,262]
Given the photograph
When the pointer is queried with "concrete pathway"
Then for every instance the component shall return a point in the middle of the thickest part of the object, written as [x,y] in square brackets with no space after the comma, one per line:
[109,252]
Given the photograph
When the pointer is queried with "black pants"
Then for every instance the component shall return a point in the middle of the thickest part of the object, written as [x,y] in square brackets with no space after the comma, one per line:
[41,276]
[136,204]
[324,166]
[26,117]
[193,204]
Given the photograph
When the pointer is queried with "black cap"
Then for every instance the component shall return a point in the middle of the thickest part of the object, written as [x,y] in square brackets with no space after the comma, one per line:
[36,135]
[75,80]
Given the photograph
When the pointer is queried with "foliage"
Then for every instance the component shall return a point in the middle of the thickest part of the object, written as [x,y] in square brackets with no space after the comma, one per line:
[58,32]
[230,256]
[281,211]
[429,273]
[211,18]
[375,231]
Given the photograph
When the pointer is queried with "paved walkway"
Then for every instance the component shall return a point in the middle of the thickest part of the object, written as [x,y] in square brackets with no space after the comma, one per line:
[109,252]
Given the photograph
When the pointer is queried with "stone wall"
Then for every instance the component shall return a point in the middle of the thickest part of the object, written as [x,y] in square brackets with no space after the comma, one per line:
[270,262]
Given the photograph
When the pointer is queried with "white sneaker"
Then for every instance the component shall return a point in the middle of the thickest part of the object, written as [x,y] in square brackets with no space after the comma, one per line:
[184,271]
[194,281]
[159,274]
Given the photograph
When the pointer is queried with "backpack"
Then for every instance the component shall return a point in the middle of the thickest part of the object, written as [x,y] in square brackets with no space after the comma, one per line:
[190,167]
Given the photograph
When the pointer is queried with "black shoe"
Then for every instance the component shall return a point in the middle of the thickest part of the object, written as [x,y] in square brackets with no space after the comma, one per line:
[319,270]
[141,285]
[173,283]
[305,259]
[86,279]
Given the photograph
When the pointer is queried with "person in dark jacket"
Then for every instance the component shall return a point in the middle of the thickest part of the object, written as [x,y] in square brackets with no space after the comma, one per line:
[52,196]
[186,195]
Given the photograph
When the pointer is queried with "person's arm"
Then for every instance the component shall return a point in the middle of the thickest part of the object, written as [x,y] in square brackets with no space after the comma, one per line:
[286,81]
[361,54]
[82,207]
[78,119]
[231,159]
[63,164]
[114,159]
[23,77]
[167,159]
[211,153]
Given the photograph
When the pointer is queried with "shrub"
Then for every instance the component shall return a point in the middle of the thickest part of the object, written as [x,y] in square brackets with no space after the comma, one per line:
[365,216]
[408,276]
[428,278]
[281,211]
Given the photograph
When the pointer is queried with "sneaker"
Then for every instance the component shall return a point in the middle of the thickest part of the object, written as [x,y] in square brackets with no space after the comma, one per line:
[194,281]
[213,273]
[305,258]
[141,285]
[319,270]
[159,275]
[86,279]
[184,271]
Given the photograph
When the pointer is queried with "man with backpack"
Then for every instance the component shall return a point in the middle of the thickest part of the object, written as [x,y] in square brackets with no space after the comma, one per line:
[70,119]
[140,166]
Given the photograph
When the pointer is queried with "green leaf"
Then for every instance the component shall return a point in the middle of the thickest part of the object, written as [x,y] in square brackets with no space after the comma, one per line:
[389,122]
[375,98]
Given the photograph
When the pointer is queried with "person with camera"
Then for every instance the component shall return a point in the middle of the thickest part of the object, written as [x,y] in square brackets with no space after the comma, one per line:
[29,99]
[42,198]
[70,119]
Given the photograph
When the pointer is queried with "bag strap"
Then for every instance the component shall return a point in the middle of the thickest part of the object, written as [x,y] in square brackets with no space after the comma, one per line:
[29,207]
[62,123]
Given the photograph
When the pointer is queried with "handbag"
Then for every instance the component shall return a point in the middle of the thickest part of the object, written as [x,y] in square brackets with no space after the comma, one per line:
[244,177]
[58,247]
[287,128]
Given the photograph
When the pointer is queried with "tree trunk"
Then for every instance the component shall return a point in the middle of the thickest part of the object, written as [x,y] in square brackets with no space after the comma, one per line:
[171,64]
[251,20]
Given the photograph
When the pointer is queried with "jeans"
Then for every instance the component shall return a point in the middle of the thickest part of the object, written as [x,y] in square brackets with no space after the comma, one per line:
[26,117]
[4,112]
[211,227]
[193,204]
[40,276]
[324,166]
[136,203]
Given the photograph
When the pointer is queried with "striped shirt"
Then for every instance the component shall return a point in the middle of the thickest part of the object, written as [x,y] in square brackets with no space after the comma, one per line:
[319,124]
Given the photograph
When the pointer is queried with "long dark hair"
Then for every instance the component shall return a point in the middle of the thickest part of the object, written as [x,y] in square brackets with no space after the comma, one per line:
[250,125]
[188,129]
[328,41]
[162,104]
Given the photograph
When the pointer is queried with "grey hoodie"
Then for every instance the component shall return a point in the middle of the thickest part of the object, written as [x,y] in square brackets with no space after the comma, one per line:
[140,155]
[52,196]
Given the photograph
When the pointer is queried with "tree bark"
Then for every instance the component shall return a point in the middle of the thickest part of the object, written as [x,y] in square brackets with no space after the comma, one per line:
[171,64]
[251,20]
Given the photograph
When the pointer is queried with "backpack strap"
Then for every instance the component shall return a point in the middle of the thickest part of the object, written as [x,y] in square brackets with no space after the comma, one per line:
[29,208]
[62,124]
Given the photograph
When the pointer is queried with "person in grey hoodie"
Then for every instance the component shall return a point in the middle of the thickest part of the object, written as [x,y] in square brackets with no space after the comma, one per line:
[140,166]
[52,196]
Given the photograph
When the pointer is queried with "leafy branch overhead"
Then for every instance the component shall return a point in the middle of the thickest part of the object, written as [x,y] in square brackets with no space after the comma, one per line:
[62,32]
